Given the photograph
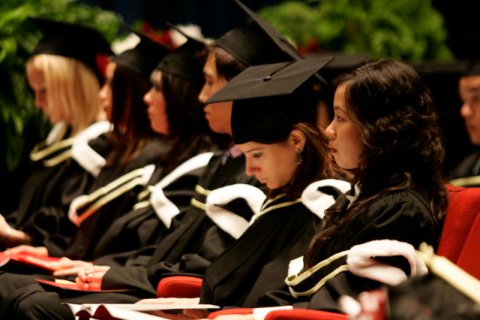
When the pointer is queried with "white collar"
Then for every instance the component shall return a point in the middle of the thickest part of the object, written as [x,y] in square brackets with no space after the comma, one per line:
[353,198]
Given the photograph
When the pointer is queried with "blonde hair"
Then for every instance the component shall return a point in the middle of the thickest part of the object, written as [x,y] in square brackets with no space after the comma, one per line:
[72,89]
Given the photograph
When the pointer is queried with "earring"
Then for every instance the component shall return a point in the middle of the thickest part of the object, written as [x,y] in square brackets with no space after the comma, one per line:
[300,157]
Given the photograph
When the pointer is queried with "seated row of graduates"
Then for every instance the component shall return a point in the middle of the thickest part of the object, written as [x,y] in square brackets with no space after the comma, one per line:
[384,139]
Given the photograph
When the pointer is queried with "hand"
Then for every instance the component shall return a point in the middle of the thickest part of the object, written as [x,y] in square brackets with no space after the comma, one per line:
[66,267]
[41,251]
[170,301]
[90,278]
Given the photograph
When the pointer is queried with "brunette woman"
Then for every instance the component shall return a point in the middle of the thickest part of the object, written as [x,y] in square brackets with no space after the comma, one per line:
[385,131]
[63,74]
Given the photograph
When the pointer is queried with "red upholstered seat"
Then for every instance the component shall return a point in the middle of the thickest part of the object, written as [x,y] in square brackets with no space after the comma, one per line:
[300,314]
[462,212]
[215,314]
[304,314]
[469,258]
[179,287]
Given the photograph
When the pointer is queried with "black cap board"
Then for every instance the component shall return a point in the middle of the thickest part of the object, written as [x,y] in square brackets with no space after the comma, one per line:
[184,61]
[270,97]
[259,43]
[269,80]
[71,40]
[144,57]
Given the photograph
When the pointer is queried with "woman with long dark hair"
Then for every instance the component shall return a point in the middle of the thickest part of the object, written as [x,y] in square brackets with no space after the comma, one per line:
[385,132]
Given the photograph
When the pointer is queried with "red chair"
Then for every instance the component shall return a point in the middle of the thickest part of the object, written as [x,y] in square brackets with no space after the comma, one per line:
[463,209]
[179,287]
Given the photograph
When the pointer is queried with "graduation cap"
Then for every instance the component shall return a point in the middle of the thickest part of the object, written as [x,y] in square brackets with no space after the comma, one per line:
[71,40]
[184,61]
[259,43]
[144,57]
[268,98]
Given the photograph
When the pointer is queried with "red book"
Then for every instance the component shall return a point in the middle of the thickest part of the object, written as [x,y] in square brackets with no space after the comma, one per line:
[29,260]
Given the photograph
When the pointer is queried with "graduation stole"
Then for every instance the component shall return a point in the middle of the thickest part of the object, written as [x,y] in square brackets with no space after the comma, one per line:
[154,196]
[466,182]
[296,282]
[267,207]
[220,206]
[87,205]
[59,152]
[448,271]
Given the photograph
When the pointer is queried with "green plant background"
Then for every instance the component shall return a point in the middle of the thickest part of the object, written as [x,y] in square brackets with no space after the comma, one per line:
[409,30]
[22,124]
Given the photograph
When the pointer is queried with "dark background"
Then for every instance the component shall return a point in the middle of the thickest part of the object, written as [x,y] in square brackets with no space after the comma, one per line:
[218,16]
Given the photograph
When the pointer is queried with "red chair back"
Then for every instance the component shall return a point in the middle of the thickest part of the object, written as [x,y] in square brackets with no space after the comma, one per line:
[462,211]
[179,287]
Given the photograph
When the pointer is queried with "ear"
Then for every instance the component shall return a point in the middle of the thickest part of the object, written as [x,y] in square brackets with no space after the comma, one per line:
[297,139]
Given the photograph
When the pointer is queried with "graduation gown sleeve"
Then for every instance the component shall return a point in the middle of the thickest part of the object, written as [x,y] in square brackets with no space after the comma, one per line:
[50,189]
[83,243]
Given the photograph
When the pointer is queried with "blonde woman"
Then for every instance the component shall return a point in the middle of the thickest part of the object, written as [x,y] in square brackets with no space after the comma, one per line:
[64,76]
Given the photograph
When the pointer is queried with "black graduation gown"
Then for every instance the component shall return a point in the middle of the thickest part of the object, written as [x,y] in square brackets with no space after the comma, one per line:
[404,216]
[142,227]
[49,191]
[258,261]
[467,167]
[190,248]
[91,230]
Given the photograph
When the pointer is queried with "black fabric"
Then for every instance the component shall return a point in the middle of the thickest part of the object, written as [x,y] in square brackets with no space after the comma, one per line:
[468,167]
[403,216]
[185,61]
[259,43]
[258,261]
[144,57]
[37,302]
[429,297]
[71,40]
[47,194]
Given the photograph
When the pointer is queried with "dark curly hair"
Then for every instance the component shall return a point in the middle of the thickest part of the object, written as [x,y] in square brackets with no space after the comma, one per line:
[403,145]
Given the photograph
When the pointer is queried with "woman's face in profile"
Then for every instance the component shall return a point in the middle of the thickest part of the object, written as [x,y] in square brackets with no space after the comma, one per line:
[344,134]
[274,164]
[218,114]
[157,106]
[106,91]
[36,80]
